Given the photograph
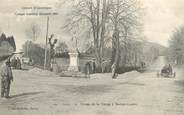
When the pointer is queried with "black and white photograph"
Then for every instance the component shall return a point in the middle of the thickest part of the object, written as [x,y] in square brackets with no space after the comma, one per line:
[92,57]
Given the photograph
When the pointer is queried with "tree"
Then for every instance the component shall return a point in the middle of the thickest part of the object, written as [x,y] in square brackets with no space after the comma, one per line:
[93,14]
[52,46]
[123,17]
[7,44]
[176,47]
[33,31]
[97,15]
[61,47]
[35,52]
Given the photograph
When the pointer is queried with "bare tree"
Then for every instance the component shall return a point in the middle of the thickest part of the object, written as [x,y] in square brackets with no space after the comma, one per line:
[93,13]
[123,15]
[176,47]
[52,46]
[62,47]
[97,15]
[33,31]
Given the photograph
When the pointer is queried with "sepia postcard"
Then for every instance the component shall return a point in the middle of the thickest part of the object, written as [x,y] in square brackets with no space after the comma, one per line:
[92,57]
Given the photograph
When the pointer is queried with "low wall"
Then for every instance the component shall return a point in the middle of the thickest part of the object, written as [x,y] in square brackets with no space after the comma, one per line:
[63,63]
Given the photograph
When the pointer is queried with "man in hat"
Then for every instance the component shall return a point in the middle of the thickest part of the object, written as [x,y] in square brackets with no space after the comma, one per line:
[94,66]
[14,62]
[87,69]
[6,78]
[18,66]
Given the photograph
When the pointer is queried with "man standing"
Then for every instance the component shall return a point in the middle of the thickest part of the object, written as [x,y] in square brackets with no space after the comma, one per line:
[94,66]
[170,69]
[18,64]
[6,78]
[114,74]
[87,69]
[14,62]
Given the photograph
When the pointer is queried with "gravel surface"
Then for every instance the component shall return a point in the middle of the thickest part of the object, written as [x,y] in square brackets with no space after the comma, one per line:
[132,93]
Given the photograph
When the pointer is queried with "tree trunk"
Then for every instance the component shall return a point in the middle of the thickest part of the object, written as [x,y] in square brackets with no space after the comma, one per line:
[125,46]
[117,44]
[117,54]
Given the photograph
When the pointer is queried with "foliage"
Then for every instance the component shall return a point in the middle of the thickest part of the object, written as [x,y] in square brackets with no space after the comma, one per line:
[99,17]
[52,46]
[176,47]
[9,39]
[35,52]
[61,47]
[33,31]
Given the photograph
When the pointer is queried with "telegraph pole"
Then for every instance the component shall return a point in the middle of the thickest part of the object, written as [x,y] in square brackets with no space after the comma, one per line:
[46,43]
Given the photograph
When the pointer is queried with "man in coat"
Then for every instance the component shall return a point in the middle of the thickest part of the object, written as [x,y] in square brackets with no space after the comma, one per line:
[6,78]
[94,66]
[87,69]
[18,64]
[14,62]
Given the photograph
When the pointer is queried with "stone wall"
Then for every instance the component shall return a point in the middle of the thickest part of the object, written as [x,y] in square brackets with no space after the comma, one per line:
[63,63]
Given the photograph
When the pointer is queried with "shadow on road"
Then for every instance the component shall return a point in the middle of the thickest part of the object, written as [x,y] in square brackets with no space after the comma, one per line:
[90,89]
[180,83]
[22,69]
[128,83]
[25,94]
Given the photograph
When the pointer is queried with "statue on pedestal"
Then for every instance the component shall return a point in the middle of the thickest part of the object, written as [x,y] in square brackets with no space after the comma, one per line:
[52,51]
[73,53]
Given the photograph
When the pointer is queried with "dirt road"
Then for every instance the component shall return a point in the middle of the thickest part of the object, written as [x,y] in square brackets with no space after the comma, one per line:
[132,93]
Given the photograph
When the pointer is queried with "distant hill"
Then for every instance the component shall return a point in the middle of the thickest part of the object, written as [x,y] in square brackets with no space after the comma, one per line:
[7,45]
[148,45]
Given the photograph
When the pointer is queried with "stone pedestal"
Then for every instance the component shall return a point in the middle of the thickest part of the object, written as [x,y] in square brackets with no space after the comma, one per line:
[73,66]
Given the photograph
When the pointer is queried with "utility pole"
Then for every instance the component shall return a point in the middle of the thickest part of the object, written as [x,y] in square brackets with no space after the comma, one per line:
[45,61]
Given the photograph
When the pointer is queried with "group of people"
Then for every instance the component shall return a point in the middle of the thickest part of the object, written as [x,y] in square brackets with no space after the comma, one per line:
[167,69]
[16,63]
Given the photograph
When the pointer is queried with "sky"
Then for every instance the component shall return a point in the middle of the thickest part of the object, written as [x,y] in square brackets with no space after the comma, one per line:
[161,18]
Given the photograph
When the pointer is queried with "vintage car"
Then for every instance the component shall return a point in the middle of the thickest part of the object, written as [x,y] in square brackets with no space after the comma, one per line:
[27,61]
[166,74]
